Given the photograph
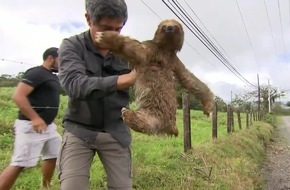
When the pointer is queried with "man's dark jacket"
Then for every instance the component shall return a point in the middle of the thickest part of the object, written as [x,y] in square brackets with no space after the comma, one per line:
[90,81]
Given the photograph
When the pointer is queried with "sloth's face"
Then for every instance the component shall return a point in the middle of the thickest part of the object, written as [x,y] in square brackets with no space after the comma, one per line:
[169,34]
[170,28]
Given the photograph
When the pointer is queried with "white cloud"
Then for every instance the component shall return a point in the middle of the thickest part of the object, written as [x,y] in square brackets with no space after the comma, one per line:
[25,35]
[28,27]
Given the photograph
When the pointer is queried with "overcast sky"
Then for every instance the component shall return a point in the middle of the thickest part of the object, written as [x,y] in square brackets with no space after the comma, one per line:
[253,37]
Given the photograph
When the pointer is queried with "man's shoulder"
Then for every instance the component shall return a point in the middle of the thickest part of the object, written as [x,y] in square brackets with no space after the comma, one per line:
[35,69]
[76,42]
[77,38]
[33,76]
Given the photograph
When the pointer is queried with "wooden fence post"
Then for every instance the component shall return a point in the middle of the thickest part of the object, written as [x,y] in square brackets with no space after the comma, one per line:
[186,122]
[232,120]
[251,118]
[214,121]
[262,115]
[229,128]
[239,119]
[247,119]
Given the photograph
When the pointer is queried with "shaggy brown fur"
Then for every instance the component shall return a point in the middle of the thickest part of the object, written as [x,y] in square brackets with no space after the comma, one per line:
[159,68]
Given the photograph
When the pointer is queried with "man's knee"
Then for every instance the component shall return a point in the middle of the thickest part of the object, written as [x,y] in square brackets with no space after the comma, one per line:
[75,183]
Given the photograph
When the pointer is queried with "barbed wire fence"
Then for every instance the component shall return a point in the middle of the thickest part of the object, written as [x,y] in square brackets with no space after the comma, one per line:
[14,61]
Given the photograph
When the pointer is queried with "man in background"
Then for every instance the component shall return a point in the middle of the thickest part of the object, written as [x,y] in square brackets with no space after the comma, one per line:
[37,97]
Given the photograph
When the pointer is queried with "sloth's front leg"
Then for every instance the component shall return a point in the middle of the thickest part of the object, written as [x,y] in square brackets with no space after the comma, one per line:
[109,40]
[127,48]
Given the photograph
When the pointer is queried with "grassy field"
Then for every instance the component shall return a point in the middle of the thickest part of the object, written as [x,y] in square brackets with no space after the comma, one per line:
[231,162]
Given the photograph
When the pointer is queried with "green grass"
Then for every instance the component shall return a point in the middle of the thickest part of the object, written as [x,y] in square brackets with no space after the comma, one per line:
[159,163]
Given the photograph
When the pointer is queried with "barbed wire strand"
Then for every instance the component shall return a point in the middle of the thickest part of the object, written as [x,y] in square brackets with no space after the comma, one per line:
[21,62]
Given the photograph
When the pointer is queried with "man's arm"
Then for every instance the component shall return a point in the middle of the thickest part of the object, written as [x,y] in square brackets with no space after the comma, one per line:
[76,82]
[20,98]
[126,80]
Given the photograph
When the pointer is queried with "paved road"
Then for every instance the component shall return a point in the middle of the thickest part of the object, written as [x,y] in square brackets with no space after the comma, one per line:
[284,129]
[276,171]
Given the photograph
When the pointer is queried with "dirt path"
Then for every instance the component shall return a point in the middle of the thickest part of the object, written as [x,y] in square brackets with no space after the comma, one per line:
[276,170]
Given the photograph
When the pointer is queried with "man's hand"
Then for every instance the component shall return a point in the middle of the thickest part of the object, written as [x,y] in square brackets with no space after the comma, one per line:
[39,125]
[126,80]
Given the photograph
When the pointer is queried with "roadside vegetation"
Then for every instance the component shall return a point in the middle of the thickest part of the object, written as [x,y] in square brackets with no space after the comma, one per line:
[232,161]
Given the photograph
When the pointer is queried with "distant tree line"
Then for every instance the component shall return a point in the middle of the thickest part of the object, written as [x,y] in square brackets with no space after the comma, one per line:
[248,100]
[10,80]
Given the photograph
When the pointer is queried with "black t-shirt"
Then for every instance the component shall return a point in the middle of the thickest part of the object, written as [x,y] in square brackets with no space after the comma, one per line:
[45,95]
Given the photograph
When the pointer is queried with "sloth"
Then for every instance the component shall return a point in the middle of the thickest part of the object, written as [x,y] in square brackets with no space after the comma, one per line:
[159,68]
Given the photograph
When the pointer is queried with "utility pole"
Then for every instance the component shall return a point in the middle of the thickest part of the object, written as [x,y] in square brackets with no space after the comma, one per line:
[259,100]
[269,96]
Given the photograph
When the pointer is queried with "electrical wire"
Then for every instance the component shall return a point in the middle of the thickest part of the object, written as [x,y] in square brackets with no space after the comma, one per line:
[205,27]
[184,40]
[248,34]
[186,20]
[281,27]
[151,10]
[270,27]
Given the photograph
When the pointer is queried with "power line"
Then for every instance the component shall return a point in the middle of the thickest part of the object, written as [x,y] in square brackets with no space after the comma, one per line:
[270,27]
[203,38]
[151,10]
[200,54]
[281,27]
[248,34]
[199,29]
[184,40]
[200,35]
[196,31]
[204,26]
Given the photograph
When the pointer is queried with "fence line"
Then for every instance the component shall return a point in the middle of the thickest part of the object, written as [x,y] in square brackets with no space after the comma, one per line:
[250,116]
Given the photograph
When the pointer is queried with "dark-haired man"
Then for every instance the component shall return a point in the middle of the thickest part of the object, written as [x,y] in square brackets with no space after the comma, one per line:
[37,97]
[96,82]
